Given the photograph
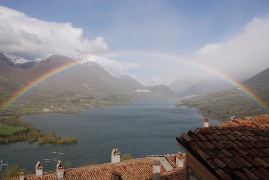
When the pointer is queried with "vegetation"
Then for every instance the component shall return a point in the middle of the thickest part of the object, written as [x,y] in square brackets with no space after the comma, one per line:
[9,130]
[12,130]
[126,157]
[13,171]
[223,105]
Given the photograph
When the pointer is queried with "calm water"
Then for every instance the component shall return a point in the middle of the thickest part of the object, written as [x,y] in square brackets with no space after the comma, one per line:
[142,128]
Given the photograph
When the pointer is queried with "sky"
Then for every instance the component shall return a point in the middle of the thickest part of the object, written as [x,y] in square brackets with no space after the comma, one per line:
[154,41]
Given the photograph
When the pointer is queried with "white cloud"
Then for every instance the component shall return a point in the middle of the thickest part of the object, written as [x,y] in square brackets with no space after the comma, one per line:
[243,55]
[31,37]
[112,66]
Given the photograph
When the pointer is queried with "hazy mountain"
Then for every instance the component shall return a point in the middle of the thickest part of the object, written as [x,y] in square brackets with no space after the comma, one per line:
[161,88]
[234,102]
[206,86]
[261,78]
[181,84]
[130,82]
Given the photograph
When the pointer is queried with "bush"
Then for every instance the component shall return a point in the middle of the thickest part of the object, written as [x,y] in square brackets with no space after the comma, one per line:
[13,171]
[126,157]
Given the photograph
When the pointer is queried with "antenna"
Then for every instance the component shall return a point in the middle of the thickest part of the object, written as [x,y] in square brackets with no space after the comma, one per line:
[1,164]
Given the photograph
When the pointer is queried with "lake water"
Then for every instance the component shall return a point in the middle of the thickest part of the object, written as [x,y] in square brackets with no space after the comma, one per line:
[141,128]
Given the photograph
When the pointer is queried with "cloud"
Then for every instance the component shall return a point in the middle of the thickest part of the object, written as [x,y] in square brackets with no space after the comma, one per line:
[30,37]
[241,56]
[112,66]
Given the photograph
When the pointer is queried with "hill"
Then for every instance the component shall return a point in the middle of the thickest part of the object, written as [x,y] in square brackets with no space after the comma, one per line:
[161,88]
[233,102]
[130,82]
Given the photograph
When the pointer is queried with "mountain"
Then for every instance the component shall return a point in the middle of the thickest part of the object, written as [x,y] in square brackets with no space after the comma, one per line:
[161,88]
[70,87]
[234,102]
[261,78]
[206,86]
[58,87]
[130,82]
[181,84]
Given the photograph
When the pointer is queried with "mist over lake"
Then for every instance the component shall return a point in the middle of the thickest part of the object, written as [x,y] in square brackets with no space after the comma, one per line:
[141,128]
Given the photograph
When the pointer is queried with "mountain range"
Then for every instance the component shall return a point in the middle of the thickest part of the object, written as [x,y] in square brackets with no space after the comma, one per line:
[83,84]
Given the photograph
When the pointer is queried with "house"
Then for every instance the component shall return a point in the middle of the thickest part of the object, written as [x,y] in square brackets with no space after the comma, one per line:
[155,167]
[236,149]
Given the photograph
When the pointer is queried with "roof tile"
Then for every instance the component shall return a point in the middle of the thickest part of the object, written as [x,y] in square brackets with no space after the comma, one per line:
[264,171]
[222,174]
[203,155]
[193,145]
[240,175]
[249,174]
[219,163]
[218,145]
[238,149]
[261,162]
[229,163]
[186,137]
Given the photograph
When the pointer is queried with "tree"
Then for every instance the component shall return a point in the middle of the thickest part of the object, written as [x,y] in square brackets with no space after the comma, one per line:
[126,157]
[13,171]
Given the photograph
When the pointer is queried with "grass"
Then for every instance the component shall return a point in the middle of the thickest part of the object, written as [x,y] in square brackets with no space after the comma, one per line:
[9,130]
[6,117]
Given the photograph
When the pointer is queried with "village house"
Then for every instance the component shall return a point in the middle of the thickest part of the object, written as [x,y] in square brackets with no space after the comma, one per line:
[237,149]
[155,167]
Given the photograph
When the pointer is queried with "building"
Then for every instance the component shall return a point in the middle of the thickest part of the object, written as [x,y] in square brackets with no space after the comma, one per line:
[237,149]
[155,167]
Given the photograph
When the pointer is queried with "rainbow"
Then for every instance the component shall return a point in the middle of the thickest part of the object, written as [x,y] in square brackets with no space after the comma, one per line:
[34,83]
[205,67]
[11,100]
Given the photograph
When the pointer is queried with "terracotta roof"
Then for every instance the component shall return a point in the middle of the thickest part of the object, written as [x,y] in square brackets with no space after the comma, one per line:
[134,169]
[237,149]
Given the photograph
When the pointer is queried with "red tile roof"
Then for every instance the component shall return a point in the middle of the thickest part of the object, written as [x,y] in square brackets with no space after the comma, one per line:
[134,169]
[233,149]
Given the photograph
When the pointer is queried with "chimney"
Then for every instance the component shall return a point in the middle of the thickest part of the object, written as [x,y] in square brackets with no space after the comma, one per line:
[21,175]
[206,123]
[38,169]
[115,156]
[180,159]
[156,170]
[59,170]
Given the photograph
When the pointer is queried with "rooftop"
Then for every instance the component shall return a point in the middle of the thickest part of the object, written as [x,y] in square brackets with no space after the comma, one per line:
[236,149]
[134,169]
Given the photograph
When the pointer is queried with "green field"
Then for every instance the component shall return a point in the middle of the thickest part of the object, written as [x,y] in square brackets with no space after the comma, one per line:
[9,130]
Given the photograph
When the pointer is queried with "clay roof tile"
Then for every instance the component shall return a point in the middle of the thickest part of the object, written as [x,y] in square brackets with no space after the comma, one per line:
[240,175]
[261,162]
[249,174]
[202,154]
[217,145]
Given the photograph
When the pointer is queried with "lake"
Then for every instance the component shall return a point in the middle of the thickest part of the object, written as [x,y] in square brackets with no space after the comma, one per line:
[142,128]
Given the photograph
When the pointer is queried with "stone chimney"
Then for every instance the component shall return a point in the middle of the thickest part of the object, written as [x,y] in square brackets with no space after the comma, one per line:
[156,170]
[115,156]
[180,159]
[39,169]
[206,123]
[21,175]
[59,170]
